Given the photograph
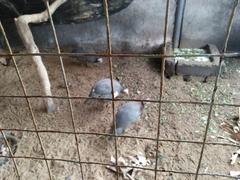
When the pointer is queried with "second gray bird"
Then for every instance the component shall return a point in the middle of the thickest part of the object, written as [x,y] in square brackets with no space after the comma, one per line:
[127,114]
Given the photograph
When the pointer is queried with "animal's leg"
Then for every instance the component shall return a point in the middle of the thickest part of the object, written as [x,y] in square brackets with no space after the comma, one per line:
[205,79]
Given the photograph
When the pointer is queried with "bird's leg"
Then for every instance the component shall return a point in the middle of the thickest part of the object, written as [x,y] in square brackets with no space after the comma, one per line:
[205,79]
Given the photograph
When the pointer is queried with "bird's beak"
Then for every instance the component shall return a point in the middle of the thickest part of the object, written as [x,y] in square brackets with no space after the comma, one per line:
[126,91]
[99,60]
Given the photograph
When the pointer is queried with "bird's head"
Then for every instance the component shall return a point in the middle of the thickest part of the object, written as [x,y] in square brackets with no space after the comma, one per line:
[99,60]
[125,91]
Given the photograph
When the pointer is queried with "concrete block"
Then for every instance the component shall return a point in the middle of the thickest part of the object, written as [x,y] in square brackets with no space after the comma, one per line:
[194,66]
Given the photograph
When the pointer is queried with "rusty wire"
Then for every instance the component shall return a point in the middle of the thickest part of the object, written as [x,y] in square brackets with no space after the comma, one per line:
[162,69]
[66,85]
[109,52]
[106,164]
[121,136]
[229,27]
[127,55]
[127,99]
[110,55]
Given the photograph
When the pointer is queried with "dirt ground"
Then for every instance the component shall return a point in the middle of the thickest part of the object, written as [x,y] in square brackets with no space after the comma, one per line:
[141,76]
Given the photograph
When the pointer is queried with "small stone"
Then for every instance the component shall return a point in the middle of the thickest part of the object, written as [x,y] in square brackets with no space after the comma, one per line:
[67,178]
[119,78]
[69,84]
[3,150]
[3,61]
[156,84]
[204,119]
[148,99]
[236,129]
[37,149]
[138,92]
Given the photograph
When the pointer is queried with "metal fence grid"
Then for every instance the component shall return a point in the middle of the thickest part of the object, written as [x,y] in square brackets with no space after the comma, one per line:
[110,55]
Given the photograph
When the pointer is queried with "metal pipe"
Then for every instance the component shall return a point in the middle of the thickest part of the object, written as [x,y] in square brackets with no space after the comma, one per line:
[178,23]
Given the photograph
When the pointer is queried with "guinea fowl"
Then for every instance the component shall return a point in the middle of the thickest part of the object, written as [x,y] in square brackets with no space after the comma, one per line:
[127,114]
[103,89]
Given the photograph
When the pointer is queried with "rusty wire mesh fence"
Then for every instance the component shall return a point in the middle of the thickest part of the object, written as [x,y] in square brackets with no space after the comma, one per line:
[160,101]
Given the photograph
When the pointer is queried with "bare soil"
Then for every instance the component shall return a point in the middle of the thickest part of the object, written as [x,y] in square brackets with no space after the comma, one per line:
[178,121]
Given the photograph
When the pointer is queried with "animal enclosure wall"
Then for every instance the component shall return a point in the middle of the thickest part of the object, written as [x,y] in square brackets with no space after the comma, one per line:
[178,134]
[137,27]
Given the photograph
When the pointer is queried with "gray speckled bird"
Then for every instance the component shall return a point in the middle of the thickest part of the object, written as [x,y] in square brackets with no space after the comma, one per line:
[127,114]
[103,89]
[86,59]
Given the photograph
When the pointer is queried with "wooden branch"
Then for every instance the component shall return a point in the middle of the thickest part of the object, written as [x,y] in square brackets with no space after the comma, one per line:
[25,33]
